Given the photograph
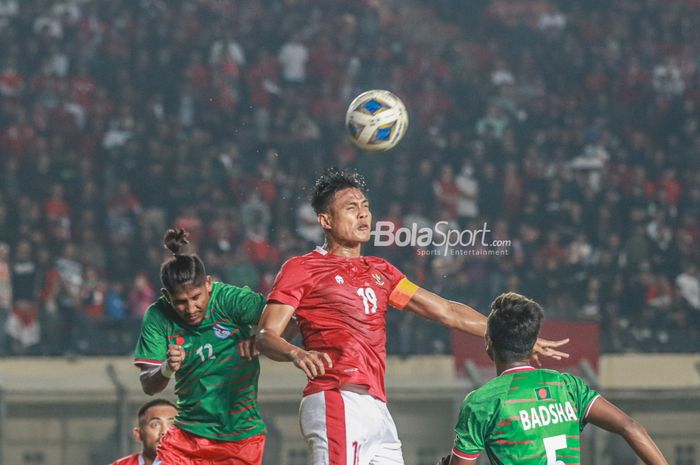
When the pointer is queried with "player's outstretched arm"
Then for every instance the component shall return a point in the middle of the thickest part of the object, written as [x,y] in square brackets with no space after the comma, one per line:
[464,318]
[605,415]
[247,348]
[155,378]
[453,314]
[270,341]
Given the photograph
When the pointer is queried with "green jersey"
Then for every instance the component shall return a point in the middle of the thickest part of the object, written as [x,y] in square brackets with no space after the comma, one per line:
[217,390]
[526,417]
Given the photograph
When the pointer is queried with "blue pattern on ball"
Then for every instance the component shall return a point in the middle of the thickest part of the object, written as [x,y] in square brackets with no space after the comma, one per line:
[372,106]
[384,133]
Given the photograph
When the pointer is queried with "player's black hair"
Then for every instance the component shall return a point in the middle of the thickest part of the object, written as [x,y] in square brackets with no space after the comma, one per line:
[330,182]
[181,268]
[513,326]
[152,403]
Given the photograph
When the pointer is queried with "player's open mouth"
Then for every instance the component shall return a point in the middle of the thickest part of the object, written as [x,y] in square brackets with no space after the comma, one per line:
[363,227]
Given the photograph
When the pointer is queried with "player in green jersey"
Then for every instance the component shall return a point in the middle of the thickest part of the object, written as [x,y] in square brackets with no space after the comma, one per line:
[529,416]
[197,332]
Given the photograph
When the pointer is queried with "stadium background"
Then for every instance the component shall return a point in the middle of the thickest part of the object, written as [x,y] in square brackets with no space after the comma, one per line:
[572,128]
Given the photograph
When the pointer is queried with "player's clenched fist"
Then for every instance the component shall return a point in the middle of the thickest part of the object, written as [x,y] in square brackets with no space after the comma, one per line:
[311,362]
[176,355]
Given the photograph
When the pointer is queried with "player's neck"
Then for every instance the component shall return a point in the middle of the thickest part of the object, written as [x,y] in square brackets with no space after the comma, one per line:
[503,366]
[146,459]
[343,250]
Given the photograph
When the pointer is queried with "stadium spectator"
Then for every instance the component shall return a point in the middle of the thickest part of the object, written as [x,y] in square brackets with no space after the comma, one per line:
[115,117]
[5,293]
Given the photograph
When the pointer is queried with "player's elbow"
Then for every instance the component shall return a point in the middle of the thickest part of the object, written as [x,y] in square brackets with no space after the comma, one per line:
[632,430]
[432,307]
[447,315]
[148,389]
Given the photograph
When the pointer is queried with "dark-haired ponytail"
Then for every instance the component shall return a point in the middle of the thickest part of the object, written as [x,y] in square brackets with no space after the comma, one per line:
[175,239]
[181,269]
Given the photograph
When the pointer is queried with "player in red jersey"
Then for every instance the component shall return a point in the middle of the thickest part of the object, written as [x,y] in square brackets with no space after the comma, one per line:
[340,299]
[155,418]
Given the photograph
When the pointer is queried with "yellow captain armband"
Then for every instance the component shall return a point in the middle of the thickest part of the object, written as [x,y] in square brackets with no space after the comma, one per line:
[402,293]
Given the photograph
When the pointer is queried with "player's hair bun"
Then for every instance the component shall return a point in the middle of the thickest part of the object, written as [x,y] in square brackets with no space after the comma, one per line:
[175,239]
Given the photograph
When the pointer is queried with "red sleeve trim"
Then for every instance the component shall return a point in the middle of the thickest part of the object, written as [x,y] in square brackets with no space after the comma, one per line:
[464,455]
[590,405]
[146,361]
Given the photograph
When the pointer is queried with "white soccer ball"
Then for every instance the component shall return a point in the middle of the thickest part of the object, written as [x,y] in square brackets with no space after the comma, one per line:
[376,120]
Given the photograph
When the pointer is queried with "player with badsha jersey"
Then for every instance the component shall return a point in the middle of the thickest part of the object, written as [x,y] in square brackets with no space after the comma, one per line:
[340,300]
[533,416]
[155,417]
[198,333]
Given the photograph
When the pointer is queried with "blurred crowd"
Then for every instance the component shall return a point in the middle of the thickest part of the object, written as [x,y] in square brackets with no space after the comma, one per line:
[570,128]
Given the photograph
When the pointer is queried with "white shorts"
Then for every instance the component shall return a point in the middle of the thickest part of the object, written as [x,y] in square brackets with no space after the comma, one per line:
[349,428]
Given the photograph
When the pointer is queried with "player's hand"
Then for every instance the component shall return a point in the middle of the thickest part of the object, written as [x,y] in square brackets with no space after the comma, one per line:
[311,362]
[176,355]
[247,350]
[547,348]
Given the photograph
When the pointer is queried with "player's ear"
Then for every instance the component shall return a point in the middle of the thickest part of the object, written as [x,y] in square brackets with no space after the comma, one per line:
[207,282]
[137,434]
[324,219]
[166,294]
[489,346]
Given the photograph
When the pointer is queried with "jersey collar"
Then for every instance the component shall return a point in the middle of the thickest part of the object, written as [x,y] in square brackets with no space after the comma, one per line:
[142,461]
[320,250]
[517,370]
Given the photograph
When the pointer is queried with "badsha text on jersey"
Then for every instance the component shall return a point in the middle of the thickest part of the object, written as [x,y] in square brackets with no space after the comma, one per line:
[547,414]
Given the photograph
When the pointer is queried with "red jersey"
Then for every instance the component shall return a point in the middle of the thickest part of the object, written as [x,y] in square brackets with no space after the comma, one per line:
[340,305]
[133,459]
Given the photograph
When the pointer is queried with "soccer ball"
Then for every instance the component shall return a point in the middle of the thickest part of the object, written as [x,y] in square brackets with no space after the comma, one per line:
[376,120]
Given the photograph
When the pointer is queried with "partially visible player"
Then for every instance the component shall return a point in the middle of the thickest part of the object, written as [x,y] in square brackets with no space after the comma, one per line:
[534,416]
[340,299]
[192,333]
[155,417]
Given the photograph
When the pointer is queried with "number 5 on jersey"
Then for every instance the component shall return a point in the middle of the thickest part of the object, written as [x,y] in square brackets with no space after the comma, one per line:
[551,445]
[369,299]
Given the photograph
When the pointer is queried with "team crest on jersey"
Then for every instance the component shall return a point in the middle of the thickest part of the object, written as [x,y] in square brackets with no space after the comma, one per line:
[378,278]
[339,279]
[221,331]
